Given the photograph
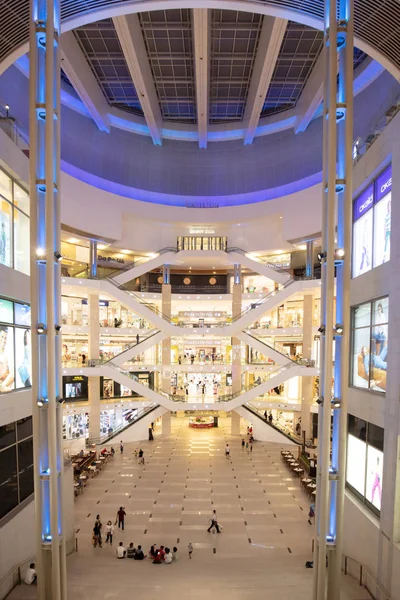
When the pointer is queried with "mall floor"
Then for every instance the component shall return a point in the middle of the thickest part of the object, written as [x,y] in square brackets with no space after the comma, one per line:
[261,552]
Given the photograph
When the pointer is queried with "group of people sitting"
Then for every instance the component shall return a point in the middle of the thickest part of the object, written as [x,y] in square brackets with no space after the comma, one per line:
[163,555]
[130,552]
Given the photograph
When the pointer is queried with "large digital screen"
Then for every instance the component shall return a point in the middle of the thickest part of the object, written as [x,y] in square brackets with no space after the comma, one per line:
[23,358]
[373,492]
[6,359]
[355,473]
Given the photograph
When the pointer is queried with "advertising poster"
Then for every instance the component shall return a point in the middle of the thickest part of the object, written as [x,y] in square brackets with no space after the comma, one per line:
[7,382]
[5,233]
[22,314]
[361,357]
[356,454]
[373,491]
[6,311]
[382,229]
[379,344]
[23,371]
[362,244]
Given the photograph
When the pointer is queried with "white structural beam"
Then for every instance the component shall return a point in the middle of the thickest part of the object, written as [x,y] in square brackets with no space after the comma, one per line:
[271,37]
[131,39]
[311,96]
[80,75]
[201,29]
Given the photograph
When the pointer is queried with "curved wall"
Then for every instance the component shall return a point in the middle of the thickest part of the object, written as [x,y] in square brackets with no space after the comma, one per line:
[177,173]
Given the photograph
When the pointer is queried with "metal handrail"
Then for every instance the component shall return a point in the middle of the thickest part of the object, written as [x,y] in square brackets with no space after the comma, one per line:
[228,397]
[271,348]
[262,300]
[143,260]
[292,437]
[258,259]
[363,573]
[105,362]
[108,436]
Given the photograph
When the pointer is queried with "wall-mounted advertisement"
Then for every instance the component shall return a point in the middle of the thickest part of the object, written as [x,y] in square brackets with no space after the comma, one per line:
[22,314]
[362,232]
[6,311]
[5,233]
[23,362]
[373,492]
[7,379]
[382,217]
[372,225]
[355,474]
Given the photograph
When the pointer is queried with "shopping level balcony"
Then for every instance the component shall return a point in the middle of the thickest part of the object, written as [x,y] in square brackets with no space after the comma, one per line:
[177,402]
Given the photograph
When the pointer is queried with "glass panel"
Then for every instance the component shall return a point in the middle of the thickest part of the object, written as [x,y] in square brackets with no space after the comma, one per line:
[8,480]
[362,244]
[6,311]
[5,186]
[21,242]
[24,428]
[21,198]
[362,315]
[361,357]
[5,233]
[22,314]
[357,427]
[7,435]
[6,359]
[373,491]
[23,357]
[25,454]
[375,436]
[355,473]
[25,483]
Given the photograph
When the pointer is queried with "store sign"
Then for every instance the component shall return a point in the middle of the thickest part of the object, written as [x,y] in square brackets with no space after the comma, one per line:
[203,342]
[201,314]
[384,184]
[101,302]
[201,231]
[363,203]
[202,205]
[110,259]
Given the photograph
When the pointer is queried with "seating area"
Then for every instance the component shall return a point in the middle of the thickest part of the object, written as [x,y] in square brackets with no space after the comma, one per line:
[87,465]
[307,482]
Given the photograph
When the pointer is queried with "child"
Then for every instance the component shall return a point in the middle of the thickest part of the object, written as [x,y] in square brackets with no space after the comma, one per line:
[190,549]
[109,532]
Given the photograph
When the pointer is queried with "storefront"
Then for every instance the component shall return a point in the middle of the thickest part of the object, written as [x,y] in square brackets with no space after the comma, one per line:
[201,384]
[203,351]
[15,345]
[75,311]
[202,318]
[14,225]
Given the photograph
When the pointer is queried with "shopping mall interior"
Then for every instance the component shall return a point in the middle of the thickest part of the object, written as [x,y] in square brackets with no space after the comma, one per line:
[196,279]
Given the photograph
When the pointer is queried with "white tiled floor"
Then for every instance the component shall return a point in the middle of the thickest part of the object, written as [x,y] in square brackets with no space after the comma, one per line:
[261,552]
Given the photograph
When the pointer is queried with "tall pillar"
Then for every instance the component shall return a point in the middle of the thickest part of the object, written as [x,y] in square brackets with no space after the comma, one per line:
[235,423]
[166,423]
[166,343]
[337,204]
[236,310]
[307,383]
[310,258]
[44,107]
[93,259]
[93,354]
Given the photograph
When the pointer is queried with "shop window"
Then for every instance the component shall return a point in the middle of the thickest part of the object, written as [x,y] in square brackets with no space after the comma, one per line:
[372,225]
[365,462]
[369,346]
[15,346]
[8,480]
[21,242]
[5,186]
[24,428]
[7,435]
[21,198]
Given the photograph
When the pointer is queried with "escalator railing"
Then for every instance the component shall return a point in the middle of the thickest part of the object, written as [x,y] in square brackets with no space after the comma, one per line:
[291,436]
[141,413]
[270,347]
[136,345]
[136,263]
[258,259]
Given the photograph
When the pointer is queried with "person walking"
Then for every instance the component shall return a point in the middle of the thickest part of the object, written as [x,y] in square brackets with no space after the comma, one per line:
[243,444]
[121,514]
[214,522]
[227,451]
[121,447]
[190,549]
[141,457]
[109,532]
[137,338]
[98,526]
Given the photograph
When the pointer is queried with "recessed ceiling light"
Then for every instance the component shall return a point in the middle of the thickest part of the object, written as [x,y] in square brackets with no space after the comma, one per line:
[101,246]
[73,241]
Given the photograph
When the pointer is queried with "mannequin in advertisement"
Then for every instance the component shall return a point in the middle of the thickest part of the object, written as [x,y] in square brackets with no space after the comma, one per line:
[6,376]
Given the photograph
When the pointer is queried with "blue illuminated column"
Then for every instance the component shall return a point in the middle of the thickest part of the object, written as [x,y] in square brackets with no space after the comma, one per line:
[236,346]
[335,322]
[45,296]
[166,308]
[93,259]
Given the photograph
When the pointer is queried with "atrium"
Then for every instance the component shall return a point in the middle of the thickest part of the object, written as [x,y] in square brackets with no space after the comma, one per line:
[197,278]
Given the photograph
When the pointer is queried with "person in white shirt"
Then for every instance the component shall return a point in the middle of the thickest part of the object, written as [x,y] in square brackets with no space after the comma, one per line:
[109,532]
[227,451]
[168,556]
[121,552]
[31,575]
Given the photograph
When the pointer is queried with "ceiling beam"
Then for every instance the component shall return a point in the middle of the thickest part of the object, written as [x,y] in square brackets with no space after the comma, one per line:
[271,38]
[76,68]
[131,39]
[311,97]
[201,35]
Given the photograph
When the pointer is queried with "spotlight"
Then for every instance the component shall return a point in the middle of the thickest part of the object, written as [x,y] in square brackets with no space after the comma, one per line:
[40,252]
[40,328]
[320,401]
[57,256]
[60,400]
[321,329]
[339,328]
[42,401]
[321,256]
[336,403]
[57,327]
[339,253]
